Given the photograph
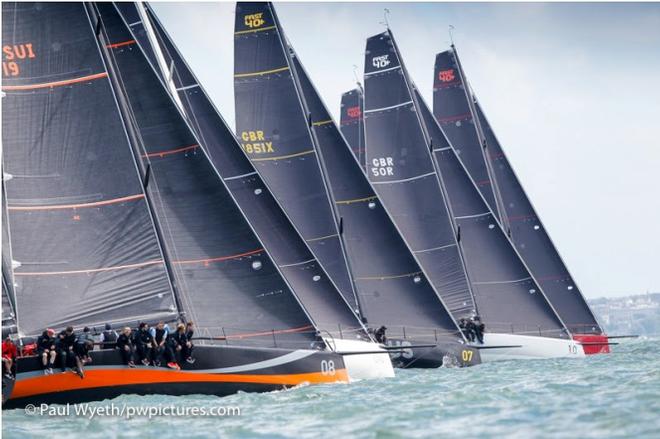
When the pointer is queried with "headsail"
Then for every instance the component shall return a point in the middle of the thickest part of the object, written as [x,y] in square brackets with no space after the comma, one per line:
[224,277]
[309,282]
[506,295]
[273,129]
[518,215]
[390,284]
[81,231]
[352,122]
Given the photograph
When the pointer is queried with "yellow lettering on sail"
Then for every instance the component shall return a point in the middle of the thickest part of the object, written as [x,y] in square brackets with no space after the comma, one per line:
[254,142]
[254,20]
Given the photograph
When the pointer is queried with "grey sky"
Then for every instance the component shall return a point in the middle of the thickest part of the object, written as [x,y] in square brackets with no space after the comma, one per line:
[572,91]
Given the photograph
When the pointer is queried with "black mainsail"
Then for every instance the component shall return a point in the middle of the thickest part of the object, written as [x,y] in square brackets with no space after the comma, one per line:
[272,126]
[80,225]
[225,278]
[352,123]
[451,98]
[399,140]
[309,282]
[390,284]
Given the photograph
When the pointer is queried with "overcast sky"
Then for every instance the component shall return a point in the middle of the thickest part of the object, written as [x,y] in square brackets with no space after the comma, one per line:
[572,92]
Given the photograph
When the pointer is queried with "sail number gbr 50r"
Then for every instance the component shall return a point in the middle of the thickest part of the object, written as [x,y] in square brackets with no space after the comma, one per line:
[382,166]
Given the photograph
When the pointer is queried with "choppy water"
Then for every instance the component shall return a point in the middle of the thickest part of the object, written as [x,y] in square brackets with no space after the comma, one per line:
[615,395]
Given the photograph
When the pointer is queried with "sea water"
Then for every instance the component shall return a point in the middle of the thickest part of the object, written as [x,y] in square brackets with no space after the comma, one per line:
[613,396]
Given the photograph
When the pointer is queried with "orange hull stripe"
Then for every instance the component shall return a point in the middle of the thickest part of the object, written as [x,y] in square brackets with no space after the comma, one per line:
[61,382]
[79,206]
[54,84]
[123,43]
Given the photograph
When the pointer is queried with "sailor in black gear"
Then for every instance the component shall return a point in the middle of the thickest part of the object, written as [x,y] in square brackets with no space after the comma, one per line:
[126,346]
[108,337]
[160,349]
[479,329]
[144,343]
[84,343]
[190,332]
[462,325]
[65,343]
[379,335]
[81,351]
[46,349]
[470,330]
[182,346]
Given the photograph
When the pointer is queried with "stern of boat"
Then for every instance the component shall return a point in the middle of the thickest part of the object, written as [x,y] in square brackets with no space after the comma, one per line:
[593,343]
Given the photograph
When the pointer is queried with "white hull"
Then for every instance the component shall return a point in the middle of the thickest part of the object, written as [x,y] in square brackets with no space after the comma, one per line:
[369,365]
[531,347]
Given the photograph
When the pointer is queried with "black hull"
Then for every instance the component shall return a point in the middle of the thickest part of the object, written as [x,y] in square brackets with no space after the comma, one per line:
[442,353]
[218,370]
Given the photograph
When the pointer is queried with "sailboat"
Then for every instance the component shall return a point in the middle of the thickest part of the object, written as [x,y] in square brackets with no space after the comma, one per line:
[116,215]
[321,179]
[445,221]
[331,314]
[459,113]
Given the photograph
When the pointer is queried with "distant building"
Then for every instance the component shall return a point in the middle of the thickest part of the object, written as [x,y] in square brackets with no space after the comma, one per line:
[638,314]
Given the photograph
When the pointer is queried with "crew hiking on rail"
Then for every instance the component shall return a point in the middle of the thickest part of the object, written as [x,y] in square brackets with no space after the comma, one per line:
[145,346]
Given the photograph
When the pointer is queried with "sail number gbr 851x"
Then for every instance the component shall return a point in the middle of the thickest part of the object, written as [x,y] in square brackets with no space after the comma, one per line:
[254,142]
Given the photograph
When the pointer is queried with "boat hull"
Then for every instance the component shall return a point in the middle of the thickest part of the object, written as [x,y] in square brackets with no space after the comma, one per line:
[590,343]
[527,347]
[442,353]
[363,360]
[218,370]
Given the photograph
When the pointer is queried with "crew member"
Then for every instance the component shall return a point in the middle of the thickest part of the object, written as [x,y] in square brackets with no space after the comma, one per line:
[479,329]
[183,345]
[380,335]
[144,343]
[470,328]
[65,343]
[463,326]
[81,351]
[108,337]
[126,347]
[84,343]
[190,332]
[8,356]
[160,347]
[46,350]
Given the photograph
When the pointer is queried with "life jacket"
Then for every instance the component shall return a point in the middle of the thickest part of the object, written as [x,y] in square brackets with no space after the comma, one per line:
[109,339]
